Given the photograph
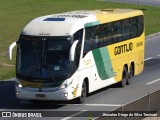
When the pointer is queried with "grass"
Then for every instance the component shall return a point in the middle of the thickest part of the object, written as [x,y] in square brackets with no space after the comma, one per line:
[15,14]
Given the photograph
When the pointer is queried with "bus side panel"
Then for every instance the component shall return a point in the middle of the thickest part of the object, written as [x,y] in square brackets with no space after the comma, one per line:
[139,55]
[139,62]
[118,66]
[89,71]
[106,66]
[97,69]
[120,54]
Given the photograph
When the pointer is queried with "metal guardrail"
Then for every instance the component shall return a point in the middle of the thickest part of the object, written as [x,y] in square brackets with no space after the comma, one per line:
[149,103]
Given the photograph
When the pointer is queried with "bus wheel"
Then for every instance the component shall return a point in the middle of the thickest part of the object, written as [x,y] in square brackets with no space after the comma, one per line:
[82,98]
[130,75]
[124,80]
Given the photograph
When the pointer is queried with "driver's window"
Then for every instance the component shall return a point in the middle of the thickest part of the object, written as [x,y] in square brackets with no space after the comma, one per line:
[78,36]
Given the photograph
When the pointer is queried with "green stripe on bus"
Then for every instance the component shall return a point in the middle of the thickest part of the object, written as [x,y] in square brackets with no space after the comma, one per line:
[105,58]
[103,63]
[107,61]
[100,64]
[92,24]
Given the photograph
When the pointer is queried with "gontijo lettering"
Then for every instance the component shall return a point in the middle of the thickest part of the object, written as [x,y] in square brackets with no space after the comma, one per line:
[123,48]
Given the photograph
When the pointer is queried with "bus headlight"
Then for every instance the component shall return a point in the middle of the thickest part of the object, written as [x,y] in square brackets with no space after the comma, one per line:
[18,84]
[63,86]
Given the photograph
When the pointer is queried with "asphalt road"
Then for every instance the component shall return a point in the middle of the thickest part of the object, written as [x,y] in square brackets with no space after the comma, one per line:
[106,99]
[143,2]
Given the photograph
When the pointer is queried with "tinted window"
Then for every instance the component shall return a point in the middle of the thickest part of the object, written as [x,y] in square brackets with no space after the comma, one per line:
[113,32]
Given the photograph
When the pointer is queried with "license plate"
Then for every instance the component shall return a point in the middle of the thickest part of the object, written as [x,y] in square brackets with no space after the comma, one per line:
[40,95]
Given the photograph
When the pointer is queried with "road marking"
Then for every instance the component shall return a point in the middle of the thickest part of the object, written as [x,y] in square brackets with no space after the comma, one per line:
[95,118]
[148,58]
[154,81]
[158,55]
[152,38]
[111,105]
[101,105]
[6,85]
[73,115]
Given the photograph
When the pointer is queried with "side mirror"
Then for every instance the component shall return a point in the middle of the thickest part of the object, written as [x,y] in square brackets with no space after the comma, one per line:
[10,48]
[72,51]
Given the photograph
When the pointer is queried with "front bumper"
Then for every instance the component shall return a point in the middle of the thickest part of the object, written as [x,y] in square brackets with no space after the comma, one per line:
[62,94]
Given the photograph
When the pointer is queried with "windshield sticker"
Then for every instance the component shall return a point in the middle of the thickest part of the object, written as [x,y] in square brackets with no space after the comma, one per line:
[57,68]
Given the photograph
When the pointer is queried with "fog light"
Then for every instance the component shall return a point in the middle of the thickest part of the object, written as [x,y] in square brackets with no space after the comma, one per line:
[65,94]
[17,93]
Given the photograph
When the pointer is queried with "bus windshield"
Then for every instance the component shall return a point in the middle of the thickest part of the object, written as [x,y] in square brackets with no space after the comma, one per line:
[44,57]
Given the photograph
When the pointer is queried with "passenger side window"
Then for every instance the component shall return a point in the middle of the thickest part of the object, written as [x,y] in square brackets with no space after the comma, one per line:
[117,31]
[126,29]
[112,32]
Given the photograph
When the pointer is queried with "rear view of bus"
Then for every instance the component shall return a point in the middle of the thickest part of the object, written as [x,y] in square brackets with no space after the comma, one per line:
[66,56]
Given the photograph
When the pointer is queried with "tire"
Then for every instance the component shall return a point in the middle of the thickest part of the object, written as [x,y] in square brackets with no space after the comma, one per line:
[124,80]
[82,98]
[130,75]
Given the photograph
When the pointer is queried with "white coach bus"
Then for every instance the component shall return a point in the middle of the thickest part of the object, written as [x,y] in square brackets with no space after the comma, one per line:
[68,55]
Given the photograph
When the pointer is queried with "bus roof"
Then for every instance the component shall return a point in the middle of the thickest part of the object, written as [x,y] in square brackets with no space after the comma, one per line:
[67,23]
